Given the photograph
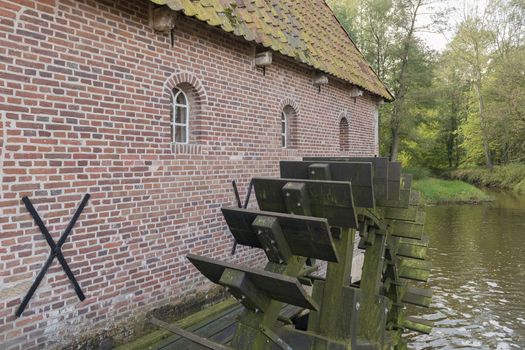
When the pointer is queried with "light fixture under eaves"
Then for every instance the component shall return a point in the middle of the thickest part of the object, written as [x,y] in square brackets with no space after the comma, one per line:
[356,92]
[319,80]
[163,19]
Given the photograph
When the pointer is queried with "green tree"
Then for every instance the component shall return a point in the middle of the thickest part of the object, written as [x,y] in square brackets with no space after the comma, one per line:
[505,86]
[488,47]
[385,31]
[464,105]
[440,128]
[369,23]
[506,90]
[470,49]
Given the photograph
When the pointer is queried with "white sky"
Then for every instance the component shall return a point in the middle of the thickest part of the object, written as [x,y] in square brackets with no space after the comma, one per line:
[438,41]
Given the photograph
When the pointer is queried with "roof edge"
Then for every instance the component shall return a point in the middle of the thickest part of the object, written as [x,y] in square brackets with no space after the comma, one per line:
[392,98]
[385,95]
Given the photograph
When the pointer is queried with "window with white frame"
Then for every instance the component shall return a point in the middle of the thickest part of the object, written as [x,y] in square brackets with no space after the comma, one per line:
[180,116]
[344,135]
[284,129]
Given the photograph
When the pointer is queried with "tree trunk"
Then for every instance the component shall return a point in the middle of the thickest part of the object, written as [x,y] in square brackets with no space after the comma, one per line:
[394,145]
[457,154]
[449,156]
[452,139]
[486,149]
[400,93]
[394,131]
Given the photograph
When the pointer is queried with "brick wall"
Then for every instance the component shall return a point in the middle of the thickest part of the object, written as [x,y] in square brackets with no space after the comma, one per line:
[85,108]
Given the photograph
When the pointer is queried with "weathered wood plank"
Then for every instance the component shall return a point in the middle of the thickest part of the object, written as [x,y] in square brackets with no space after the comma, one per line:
[332,200]
[408,214]
[414,269]
[202,341]
[418,296]
[276,286]
[305,236]
[241,286]
[394,180]
[218,328]
[406,181]
[409,229]
[418,325]
[360,175]
[380,166]
[413,248]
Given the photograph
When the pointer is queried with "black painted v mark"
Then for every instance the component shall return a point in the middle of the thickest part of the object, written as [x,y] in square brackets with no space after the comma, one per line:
[55,251]
[240,205]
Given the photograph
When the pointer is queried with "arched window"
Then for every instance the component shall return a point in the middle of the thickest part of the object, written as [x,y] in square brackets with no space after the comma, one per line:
[285,135]
[180,116]
[289,127]
[344,135]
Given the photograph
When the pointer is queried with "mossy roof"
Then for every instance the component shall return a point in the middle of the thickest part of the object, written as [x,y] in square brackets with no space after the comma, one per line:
[307,31]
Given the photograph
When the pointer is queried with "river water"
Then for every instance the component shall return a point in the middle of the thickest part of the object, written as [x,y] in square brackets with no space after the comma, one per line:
[478,276]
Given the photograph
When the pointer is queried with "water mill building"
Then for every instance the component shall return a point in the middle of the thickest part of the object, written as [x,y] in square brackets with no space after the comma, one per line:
[153,108]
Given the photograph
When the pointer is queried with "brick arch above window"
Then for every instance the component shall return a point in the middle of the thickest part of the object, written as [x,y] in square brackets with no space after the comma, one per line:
[289,102]
[195,93]
[181,77]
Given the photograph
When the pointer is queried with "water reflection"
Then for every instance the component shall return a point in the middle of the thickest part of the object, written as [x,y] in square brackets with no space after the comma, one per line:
[478,276]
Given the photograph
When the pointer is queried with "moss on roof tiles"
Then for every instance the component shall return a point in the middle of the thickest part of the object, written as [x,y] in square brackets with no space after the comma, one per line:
[305,30]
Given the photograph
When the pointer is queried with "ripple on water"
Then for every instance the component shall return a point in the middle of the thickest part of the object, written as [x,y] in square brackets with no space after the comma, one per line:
[479,289]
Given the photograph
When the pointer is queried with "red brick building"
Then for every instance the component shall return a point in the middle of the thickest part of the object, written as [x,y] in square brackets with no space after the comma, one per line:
[154,125]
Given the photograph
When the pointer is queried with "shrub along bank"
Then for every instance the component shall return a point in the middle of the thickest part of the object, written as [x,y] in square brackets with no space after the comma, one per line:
[435,191]
[509,177]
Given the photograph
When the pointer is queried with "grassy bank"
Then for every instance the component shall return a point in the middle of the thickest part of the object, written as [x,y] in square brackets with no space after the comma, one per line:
[436,191]
[509,177]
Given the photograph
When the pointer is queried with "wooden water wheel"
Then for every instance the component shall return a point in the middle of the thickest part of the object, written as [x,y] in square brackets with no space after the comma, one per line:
[313,212]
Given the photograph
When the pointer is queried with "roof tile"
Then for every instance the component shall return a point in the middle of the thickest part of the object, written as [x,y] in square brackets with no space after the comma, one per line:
[305,30]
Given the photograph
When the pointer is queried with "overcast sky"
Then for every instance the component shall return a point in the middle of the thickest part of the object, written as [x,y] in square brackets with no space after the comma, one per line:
[438,41]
